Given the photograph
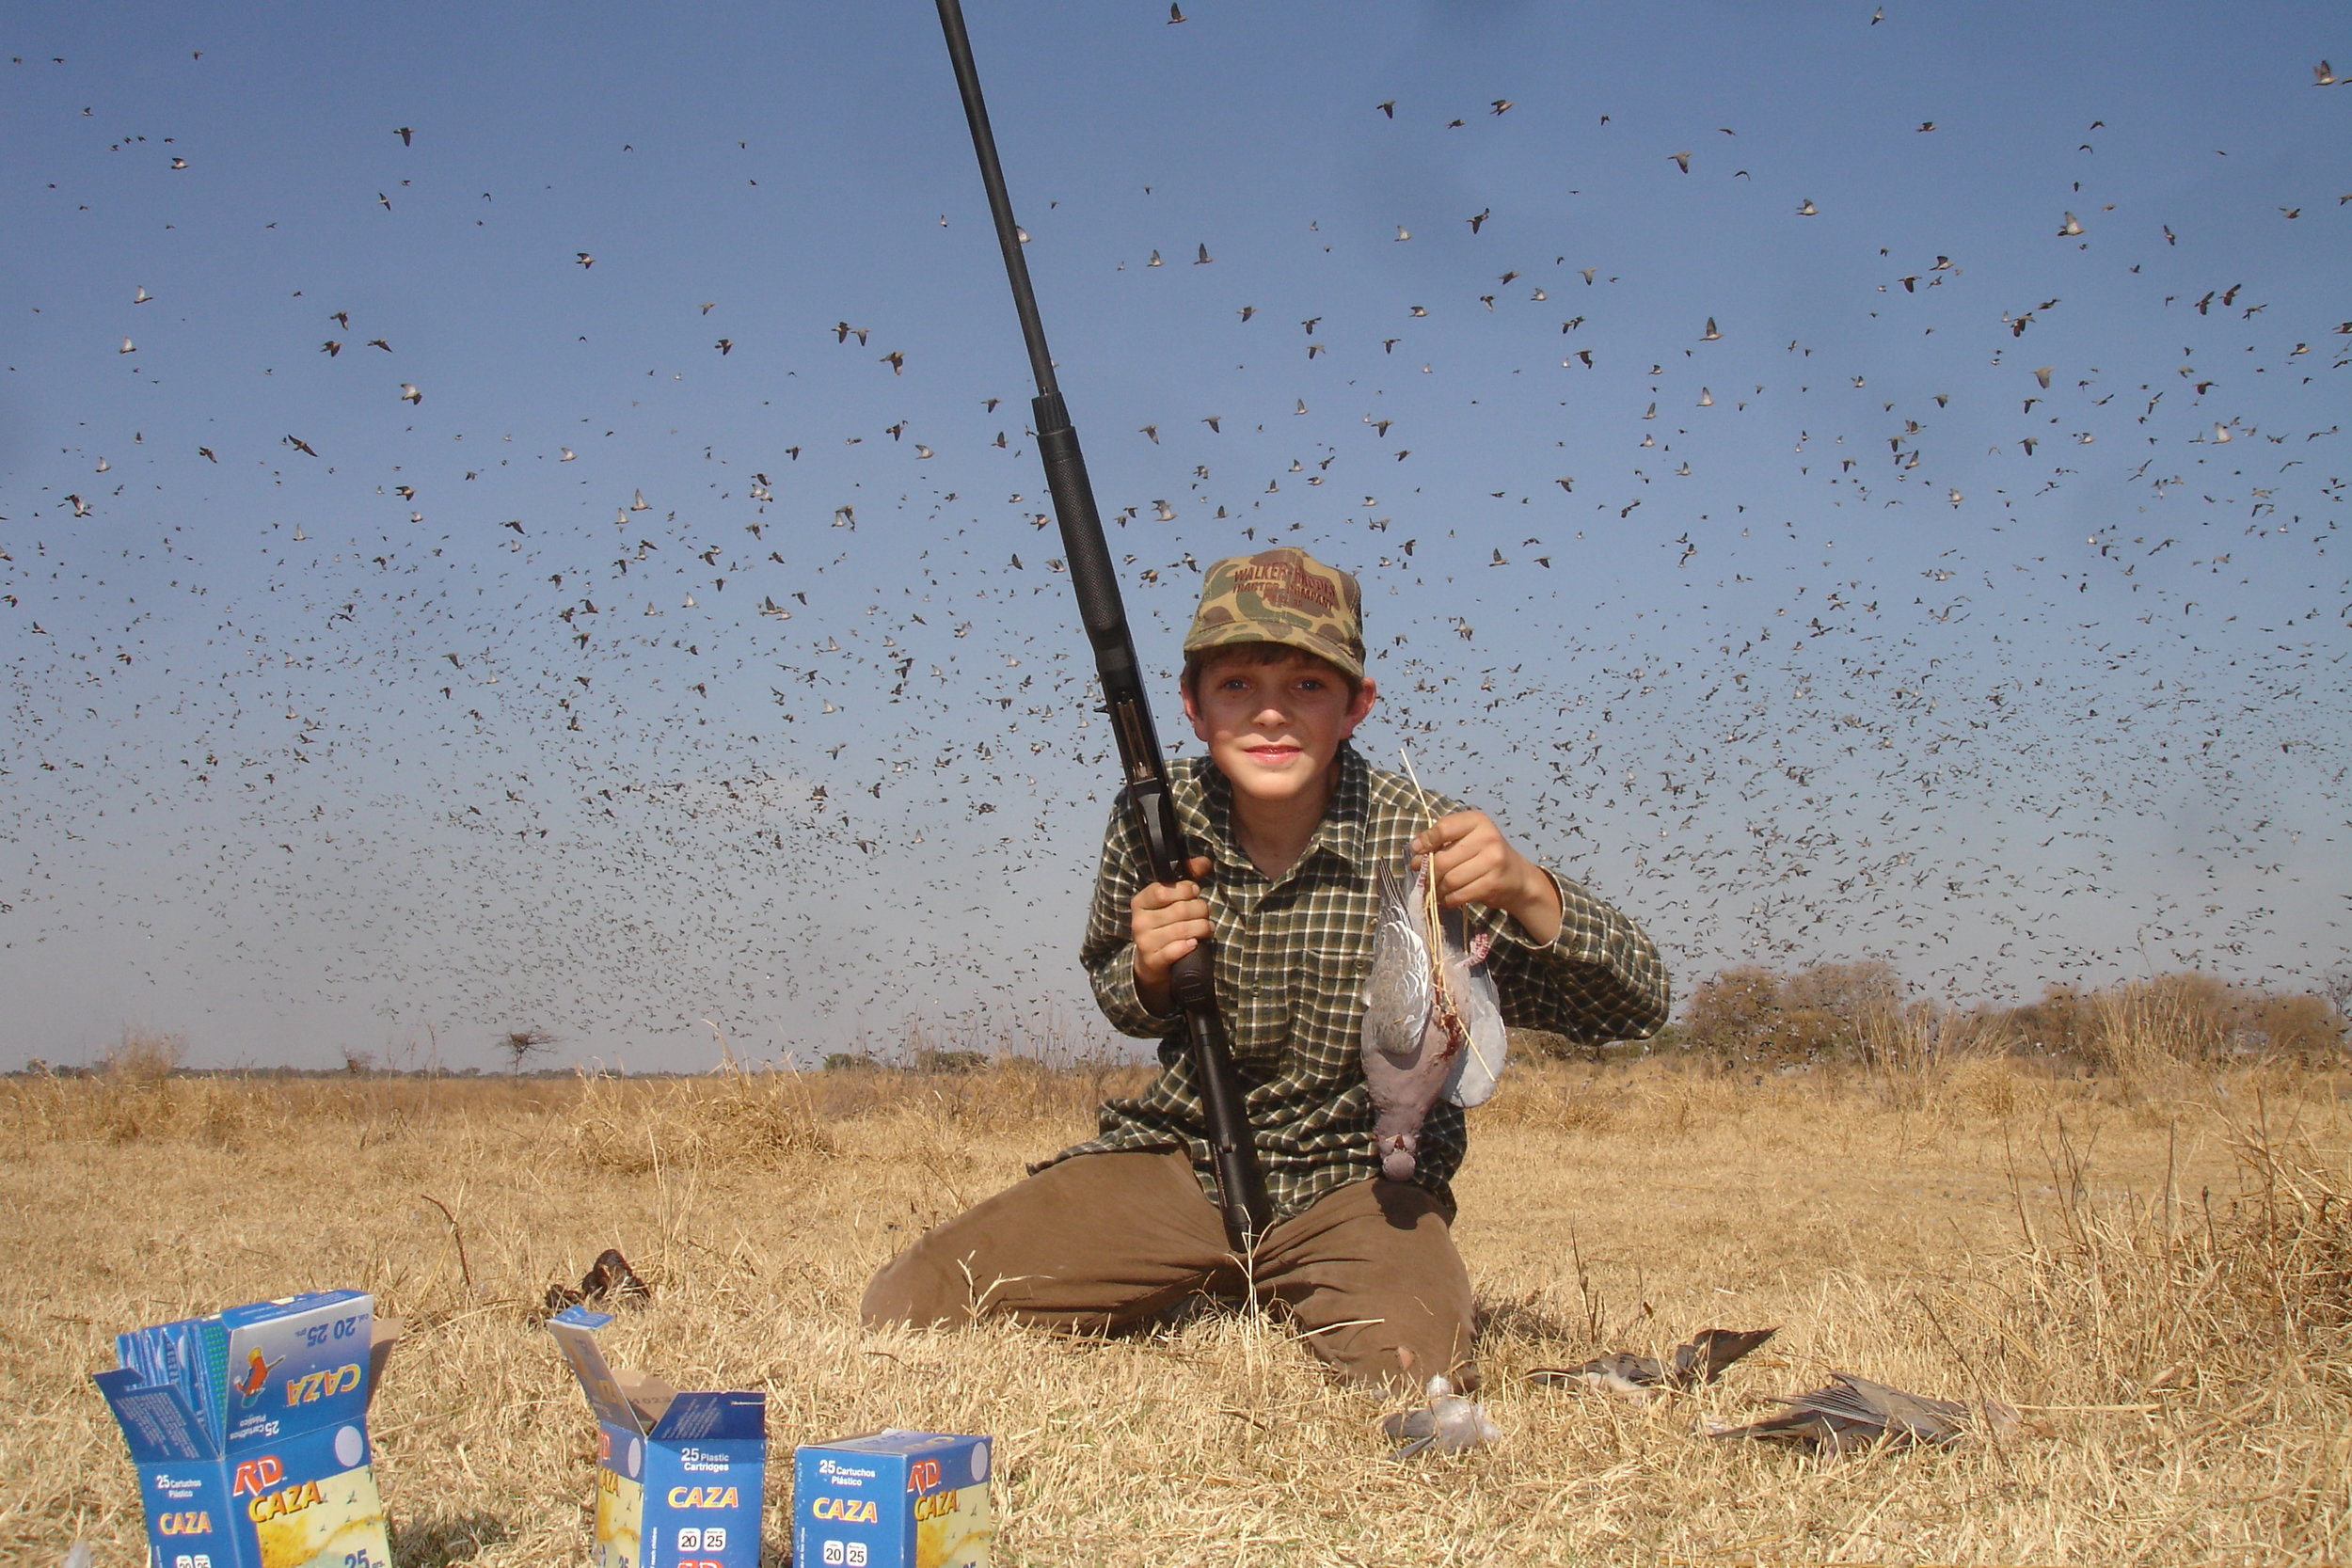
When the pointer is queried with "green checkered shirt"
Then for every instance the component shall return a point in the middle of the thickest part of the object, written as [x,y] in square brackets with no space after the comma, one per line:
[1292,954]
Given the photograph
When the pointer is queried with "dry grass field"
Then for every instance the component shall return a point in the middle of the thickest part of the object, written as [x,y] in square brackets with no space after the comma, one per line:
[2152,1264]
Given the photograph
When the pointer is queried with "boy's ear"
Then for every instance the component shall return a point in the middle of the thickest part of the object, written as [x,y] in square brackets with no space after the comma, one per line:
[1365,695]
[1192,713]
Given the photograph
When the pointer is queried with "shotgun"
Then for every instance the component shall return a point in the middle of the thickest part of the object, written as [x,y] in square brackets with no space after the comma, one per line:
[1240,1184]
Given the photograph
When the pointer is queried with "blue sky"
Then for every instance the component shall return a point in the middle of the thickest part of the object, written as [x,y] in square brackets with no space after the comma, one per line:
[1783,636]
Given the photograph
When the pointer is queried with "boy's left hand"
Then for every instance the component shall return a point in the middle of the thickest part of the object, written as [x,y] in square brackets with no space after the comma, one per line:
[1473,863]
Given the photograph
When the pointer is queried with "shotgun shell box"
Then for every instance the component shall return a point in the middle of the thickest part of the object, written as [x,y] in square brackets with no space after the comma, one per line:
[249,1430]
[680,1478]
[893,1499]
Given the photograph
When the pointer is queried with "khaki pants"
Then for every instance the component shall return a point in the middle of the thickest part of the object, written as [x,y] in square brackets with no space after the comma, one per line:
[1367,1273]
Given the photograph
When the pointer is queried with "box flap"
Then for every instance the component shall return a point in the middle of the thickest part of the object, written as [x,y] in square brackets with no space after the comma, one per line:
[381,1338]
[649,1395]
[714,1418]
[156,1422]
[575,1330]
[297,1365]
[894,1440]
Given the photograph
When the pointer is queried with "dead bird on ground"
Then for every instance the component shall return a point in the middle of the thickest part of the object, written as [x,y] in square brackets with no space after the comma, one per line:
[1433,1023]
[1447,1424]
[1696,1362]
[610,1279]
[1850,1413]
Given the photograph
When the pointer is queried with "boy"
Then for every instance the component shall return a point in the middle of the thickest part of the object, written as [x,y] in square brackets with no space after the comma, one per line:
[1295,828]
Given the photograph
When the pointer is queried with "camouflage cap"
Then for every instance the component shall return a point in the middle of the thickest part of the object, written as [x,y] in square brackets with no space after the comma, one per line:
[1281,596]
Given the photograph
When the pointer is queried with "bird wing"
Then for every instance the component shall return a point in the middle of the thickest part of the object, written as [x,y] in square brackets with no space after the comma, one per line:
[1397,994]
[1701,1359]
[1478,1069]
[1848,1397]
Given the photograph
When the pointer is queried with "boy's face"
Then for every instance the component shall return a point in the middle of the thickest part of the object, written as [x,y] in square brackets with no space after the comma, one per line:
[1274,730]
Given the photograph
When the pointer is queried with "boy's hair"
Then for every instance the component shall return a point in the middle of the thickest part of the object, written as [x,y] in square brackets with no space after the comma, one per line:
[1259,653]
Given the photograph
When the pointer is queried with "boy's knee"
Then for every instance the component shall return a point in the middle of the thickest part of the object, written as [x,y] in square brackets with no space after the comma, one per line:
[1399,1355]
[910,1291]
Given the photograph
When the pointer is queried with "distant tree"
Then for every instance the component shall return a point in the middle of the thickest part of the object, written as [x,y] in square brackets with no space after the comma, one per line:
[520,1045]
[1732,1008]
[2060,1024]
[2336,985]
[1825,1009]
[2303,1025]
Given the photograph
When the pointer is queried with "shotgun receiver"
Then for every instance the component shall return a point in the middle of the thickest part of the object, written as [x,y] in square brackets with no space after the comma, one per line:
[1241,1186]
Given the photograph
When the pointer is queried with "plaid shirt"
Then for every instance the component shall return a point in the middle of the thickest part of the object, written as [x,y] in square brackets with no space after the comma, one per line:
[1292,954]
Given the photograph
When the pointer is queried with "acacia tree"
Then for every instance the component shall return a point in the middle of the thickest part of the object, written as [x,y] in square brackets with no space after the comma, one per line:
[520,1045]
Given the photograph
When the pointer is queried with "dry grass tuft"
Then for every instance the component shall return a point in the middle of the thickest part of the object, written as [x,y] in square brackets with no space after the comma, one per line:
[755,1118]
[2228,1291]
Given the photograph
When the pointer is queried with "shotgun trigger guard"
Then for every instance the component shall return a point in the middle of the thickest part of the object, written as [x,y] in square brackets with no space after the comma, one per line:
[1163,848]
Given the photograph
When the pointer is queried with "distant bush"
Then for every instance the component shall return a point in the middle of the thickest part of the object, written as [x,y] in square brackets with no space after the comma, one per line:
[1855,1011]
[1827,1011]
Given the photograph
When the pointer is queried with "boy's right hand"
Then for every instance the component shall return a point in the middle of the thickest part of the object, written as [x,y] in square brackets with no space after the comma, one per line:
[1166,922]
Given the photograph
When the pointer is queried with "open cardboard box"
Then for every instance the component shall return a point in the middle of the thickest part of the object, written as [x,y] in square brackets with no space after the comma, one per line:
[680,1476]
[287,1481]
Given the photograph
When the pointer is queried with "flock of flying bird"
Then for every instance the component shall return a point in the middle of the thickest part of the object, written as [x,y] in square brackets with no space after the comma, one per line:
[808,761]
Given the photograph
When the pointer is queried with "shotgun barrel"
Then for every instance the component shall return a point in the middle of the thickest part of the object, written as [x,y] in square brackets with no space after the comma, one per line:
[1241,1185]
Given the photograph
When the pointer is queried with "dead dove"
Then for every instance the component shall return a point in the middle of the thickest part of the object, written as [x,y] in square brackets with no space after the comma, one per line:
[1447,1424]
[610,1279]
[1433,1024]
[1697,1362]
[1850,1413]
